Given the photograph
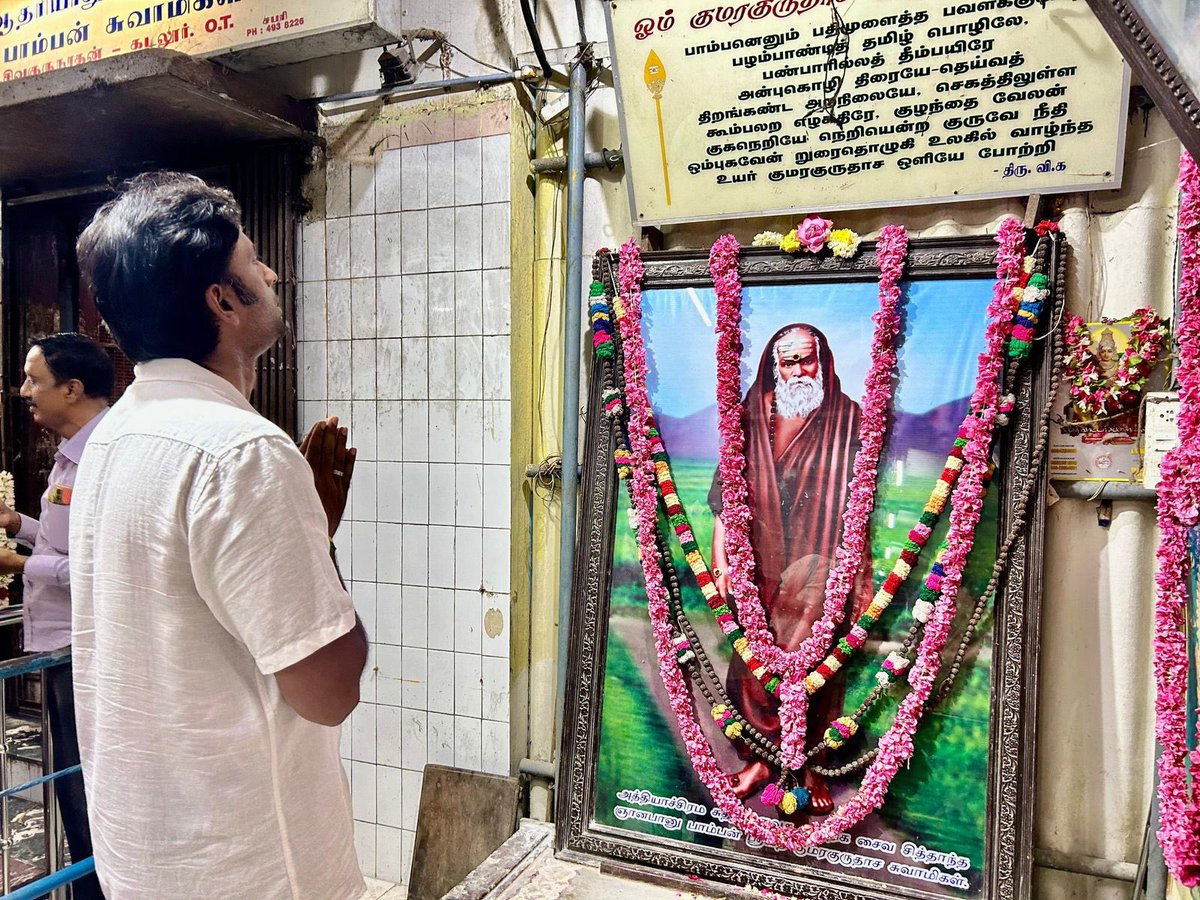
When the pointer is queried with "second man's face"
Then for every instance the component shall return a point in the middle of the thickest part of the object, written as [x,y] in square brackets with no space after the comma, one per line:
[47,398]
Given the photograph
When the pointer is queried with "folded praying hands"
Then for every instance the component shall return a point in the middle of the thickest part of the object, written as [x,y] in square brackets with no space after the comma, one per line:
[332,463]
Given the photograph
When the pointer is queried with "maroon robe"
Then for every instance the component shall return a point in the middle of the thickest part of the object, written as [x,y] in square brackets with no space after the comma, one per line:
[798,497]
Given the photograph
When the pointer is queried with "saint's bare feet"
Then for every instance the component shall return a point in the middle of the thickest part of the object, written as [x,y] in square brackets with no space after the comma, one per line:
[747,781]
[820,803]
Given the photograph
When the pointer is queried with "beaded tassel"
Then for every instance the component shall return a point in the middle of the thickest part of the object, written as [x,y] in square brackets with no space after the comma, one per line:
[602,341]
[683,649]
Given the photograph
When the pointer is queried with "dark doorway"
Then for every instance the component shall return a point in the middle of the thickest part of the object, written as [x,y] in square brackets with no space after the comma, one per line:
[44,294]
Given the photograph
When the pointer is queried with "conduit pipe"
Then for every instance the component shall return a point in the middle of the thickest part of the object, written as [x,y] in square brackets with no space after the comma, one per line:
[573,298]
[604,159]
[446,86]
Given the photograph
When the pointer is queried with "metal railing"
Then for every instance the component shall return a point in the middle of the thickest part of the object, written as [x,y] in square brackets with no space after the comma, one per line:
[57,878]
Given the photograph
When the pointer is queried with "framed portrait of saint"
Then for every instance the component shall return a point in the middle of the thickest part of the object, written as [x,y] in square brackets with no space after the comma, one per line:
[956,821]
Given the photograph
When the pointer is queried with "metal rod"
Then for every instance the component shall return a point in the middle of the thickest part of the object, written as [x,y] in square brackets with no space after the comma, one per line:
[448,85]
[5,827]
[573,298]
[23,665]
[579,17]
[605,159]
[44,779]
[1081,864]
[53,881]
[50,818]
[1155,863]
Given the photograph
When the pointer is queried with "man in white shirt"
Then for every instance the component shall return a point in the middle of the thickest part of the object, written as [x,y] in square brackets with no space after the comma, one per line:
[215,647]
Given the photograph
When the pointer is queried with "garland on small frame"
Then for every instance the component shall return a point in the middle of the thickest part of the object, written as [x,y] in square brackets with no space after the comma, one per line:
[1097,396]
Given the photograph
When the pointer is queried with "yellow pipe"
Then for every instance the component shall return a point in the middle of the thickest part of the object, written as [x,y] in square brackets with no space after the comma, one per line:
[545,438]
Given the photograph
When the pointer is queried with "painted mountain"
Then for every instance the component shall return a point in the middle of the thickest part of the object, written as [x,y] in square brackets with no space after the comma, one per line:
[695,436]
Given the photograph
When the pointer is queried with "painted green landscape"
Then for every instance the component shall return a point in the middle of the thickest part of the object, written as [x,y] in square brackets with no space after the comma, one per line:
[938,800]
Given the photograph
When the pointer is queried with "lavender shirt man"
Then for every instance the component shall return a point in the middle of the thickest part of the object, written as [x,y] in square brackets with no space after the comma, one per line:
[68,380]
[47,573]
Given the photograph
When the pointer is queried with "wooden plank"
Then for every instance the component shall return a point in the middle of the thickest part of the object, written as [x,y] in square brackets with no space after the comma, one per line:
[464,816]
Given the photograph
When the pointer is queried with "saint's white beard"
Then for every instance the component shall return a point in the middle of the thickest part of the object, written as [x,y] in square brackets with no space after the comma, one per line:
[799,397]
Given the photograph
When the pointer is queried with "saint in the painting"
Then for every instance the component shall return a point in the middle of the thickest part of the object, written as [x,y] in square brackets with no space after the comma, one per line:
[802,433]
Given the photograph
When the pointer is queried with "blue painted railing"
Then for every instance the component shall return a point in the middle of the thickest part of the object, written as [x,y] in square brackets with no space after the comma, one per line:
[53,881]
[11,668]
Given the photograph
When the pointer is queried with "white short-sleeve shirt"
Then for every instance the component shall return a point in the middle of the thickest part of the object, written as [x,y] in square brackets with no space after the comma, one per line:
[200,567]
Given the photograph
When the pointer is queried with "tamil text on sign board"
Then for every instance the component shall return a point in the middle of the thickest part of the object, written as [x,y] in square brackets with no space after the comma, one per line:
[41,36]
[785,105]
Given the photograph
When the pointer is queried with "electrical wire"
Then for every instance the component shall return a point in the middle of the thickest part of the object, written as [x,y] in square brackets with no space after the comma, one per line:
[474,59]
[579,18]
[531,27]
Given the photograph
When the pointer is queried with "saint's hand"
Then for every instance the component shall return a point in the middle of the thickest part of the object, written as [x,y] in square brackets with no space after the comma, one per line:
[11,562]
[332,463]
[720,560]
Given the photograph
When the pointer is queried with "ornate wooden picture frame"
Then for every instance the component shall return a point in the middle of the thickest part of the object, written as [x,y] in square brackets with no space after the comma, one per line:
[645,843]
[1144,48]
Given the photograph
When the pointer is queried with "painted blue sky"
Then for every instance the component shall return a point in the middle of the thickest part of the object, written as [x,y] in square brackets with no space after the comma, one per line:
[944,328]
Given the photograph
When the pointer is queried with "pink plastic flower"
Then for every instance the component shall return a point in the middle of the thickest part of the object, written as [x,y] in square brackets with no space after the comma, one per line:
[1178,505]
[813,232]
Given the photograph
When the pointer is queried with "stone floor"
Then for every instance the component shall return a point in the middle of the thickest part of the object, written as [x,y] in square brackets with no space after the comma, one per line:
[556,879]
[525,868]
[384,890]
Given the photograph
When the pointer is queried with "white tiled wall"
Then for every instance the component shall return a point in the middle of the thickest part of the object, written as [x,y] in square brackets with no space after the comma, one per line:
[403,329]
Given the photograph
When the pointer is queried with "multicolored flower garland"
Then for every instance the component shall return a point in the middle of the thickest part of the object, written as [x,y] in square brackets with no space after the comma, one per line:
[896,745]
[1179,510]
[917,537]
[1096,396]
[1029,294]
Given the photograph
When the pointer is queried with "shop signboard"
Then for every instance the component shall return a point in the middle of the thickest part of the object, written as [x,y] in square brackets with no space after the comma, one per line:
[40,36]
[753,108]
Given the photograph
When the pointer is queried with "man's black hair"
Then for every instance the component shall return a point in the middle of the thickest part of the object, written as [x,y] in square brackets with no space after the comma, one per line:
[151,253]
[76,356]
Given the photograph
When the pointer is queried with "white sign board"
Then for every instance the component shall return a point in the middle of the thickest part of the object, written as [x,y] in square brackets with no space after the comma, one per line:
[755,108]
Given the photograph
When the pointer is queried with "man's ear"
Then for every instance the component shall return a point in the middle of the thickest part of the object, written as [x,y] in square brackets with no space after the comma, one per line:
[75,391]
[214,296]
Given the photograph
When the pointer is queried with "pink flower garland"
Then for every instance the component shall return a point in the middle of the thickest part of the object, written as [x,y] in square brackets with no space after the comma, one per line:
[736,515]
[1179,509]
[891,251]
[895,747]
